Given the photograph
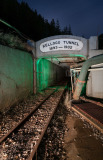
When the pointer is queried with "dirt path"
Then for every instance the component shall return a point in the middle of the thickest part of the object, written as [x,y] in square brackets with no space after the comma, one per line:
[79,140]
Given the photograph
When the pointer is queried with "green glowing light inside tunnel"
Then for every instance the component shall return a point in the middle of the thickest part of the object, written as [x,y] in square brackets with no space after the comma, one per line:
[43,73]
[46,72]
[64,56]
[77,55]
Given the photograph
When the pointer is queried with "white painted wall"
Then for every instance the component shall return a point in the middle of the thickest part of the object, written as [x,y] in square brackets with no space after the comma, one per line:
[93,42]
[93,53]
[94,86]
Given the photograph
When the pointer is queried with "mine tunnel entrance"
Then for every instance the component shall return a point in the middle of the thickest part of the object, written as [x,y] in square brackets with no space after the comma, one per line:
[56,55]
[51,70]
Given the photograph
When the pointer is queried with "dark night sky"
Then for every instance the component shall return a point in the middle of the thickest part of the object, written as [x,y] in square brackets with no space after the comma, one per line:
[84,16]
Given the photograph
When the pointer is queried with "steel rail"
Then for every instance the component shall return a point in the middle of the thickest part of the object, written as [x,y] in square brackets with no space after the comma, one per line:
[25,118]
[43,132]
[92,101]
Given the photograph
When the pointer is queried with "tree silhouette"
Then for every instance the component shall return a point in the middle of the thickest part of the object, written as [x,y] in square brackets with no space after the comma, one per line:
[58,30]
[67,30]
[29,22]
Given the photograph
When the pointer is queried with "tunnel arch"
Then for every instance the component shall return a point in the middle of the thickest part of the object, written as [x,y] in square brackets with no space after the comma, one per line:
[62,46]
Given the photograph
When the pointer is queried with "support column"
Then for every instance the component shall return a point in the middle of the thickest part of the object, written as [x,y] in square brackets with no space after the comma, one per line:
[34,76]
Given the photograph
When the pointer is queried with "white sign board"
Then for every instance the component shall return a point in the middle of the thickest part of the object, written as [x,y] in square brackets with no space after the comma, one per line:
[61,44]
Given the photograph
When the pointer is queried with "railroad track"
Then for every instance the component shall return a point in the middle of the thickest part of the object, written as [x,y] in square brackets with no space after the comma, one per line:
[22,141]
[17,113]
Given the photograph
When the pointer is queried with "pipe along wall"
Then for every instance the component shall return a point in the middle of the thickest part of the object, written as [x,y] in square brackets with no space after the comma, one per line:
[81,79]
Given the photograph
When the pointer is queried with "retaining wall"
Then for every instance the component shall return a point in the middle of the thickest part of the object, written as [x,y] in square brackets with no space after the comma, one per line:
[16,76]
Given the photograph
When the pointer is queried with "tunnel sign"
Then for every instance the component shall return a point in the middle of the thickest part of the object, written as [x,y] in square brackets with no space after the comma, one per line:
[61,44]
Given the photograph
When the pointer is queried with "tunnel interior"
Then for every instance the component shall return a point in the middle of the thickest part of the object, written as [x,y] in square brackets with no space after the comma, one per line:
[48,73]
[51,70]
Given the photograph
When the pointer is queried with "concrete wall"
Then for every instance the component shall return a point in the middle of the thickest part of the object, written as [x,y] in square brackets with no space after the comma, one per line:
[16,76]
[94,86]
[93,53]
[48,73]
[93,42]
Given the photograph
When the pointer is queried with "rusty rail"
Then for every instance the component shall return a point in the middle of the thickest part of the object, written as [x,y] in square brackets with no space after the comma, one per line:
[89,100]
[36,146]
[25,118]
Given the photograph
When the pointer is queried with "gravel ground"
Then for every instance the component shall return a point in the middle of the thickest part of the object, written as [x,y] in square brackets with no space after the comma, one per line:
[82,141]
[51,147]
[10,118]
[68,137]
[21,143]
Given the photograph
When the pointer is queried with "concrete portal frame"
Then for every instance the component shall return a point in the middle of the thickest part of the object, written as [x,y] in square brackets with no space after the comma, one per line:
[81,52]
[60,52]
